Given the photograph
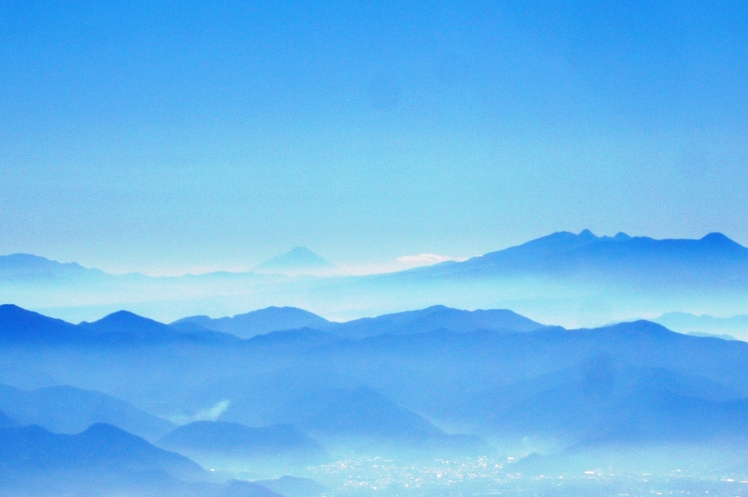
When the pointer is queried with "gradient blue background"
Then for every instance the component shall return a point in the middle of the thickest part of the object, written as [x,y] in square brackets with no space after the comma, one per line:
[173,136]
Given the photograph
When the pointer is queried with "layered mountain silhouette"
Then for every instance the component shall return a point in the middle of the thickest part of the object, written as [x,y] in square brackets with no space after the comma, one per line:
[299,260]
[360,412]
[561,253]
[713,259]
[434,318]
[101,446]
[127,327]
[563,278]
[256,322]
[633,406]
[364,418]
[19,326]
[723,327]
[414,385]
[103,460]
[30,268]
[66,409]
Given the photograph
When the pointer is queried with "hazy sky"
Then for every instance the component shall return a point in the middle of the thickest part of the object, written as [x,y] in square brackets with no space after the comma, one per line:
[171,136]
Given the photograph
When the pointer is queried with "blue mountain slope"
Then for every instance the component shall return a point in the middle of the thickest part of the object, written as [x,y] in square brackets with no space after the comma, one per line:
[577,278]
[99,447]
[293,340]
[125,326]
[6,421]
[724,327]
[256,322]
[603,402]
[365,420]
[66,409]
[103,461]
[19,326]
[359,412]
[558,382]
[435,318]
[713,258]
[239,440]
[27,267]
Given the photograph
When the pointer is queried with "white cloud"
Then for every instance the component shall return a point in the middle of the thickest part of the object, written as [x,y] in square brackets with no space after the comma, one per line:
[423,259]
[400,264]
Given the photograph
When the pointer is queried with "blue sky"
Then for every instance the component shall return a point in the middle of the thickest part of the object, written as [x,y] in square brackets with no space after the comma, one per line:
[172,136]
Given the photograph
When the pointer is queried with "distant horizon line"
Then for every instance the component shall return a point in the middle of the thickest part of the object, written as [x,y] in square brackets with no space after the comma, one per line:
[406,262]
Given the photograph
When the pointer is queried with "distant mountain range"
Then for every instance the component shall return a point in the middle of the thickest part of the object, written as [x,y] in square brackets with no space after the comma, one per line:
[434,318]
[66,409]
[564,278]
[713,259]
[100,446]
[437,380]
[27,267]
[256,322]
[735,327]
[367,420]
[19,326]
[103,460]
[561,253]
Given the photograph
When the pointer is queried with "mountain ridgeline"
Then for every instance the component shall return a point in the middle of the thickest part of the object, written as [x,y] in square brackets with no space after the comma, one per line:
[131,404]
[380,384]
[298,260]
[713,259]
[256,322]
[433,318]
[563,278]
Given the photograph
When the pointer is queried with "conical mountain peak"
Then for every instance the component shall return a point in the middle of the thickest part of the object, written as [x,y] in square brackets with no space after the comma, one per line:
[298,260]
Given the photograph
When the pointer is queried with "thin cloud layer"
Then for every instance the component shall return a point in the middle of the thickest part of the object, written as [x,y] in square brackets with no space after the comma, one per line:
[400,264]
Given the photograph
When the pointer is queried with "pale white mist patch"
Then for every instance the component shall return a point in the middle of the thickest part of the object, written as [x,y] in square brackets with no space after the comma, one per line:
[423,259]
[400,264]
[210,414]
